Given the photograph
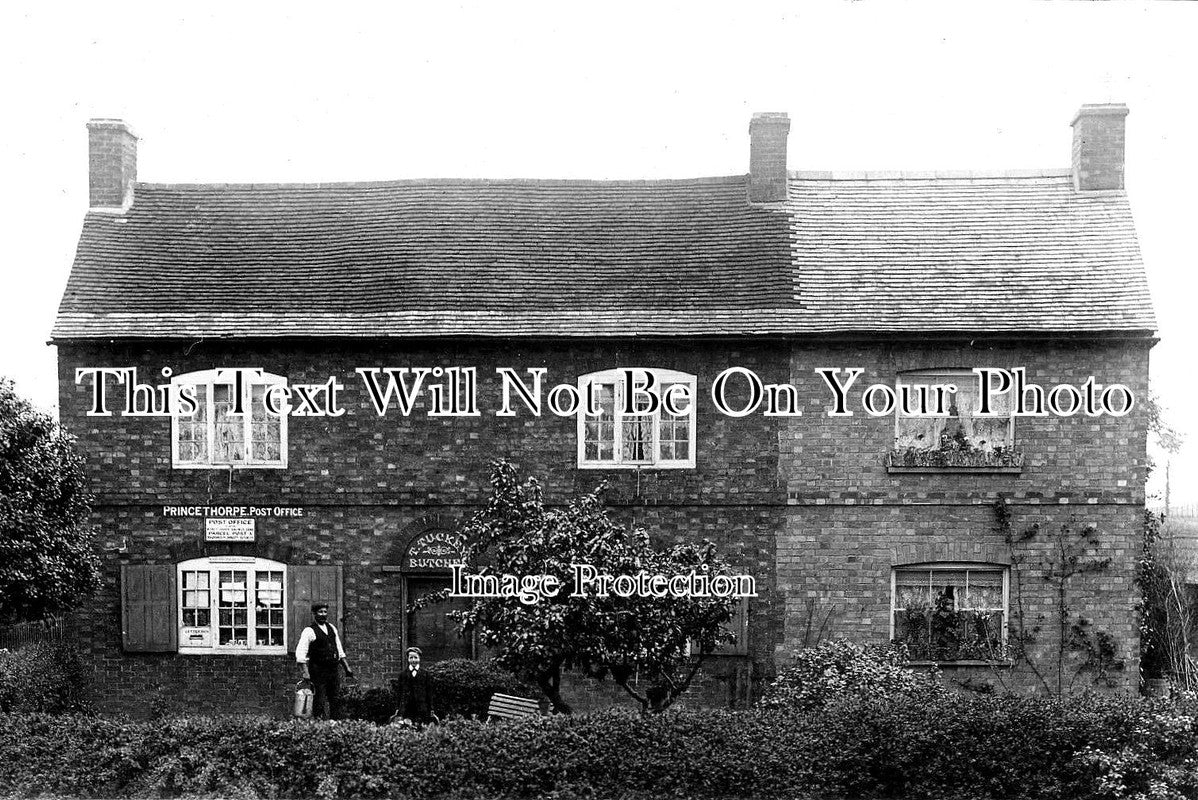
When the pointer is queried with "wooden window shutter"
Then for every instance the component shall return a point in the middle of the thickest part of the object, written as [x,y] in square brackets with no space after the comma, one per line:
[149,621]
[307,585]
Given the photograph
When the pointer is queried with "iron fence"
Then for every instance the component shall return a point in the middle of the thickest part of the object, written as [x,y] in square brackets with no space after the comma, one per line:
[17,635]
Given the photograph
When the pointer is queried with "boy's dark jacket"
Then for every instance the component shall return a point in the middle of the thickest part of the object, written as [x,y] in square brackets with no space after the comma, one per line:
[415,695]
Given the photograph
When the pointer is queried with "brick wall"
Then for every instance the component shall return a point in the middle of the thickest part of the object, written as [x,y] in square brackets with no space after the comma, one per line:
[366,482]
[852,520]
[805,504]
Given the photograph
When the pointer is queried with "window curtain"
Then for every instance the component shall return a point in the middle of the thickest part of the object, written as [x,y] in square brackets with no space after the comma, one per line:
[933,433]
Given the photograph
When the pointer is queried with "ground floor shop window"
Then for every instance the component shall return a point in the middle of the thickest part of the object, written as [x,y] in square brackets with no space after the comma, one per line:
[229,604]
[950,612]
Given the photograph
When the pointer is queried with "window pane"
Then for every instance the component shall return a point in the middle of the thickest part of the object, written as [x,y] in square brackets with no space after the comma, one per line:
[985,590]
[265,428]
[912,589]
[233,605]
[983,634]
[989,433]
[636,442]
[268,609]
[197,600]
[230,429]
[599,443]
[638,438]
[965,401]
[197,617]
[911,629]
[962,429]
[674,436]
[948,585]
[919,433]
[193,430]
[599,433]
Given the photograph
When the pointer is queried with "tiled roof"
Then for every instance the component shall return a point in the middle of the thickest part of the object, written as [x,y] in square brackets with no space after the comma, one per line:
[931,253]
[845,253]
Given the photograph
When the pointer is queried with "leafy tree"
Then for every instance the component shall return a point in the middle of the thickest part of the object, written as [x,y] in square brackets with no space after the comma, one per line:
[1167,437]
[46,560]
[643,637]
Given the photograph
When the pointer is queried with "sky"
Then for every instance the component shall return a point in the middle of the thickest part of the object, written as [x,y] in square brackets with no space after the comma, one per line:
[297,92]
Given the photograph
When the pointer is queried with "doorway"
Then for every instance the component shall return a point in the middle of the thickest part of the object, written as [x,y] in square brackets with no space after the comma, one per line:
[431,628]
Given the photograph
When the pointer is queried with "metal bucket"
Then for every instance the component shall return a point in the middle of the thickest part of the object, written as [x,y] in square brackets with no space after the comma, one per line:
[305,698]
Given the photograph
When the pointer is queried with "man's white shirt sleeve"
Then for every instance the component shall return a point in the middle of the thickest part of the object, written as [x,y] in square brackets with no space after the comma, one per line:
[301,649]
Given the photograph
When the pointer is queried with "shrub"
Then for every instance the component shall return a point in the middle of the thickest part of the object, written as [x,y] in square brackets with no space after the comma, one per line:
[947,746]
[464,687]
[461,687]
[42,676]
[368,704]
[1157,761]
[841,670]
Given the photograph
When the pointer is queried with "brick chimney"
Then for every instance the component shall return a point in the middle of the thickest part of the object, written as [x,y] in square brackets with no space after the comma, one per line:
[767,157]
[112,164]
[1098,145]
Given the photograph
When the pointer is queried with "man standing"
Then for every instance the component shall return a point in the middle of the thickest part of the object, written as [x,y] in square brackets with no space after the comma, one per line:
[415,691]
[319,653]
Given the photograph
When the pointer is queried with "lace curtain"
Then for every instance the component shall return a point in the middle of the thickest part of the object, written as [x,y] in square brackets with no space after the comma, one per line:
[933,433]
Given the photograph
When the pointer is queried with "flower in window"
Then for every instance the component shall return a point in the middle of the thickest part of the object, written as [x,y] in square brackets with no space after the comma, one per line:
[635,426]
[950,612]
[944,429]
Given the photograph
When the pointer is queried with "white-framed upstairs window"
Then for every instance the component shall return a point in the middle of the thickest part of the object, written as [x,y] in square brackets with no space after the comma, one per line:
[216,436]
[629,435]
[948,611]
[232,605]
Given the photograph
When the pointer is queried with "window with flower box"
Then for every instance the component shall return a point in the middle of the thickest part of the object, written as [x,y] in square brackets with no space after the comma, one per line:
[630,435]
[950,612]
[216,436]
[959,438]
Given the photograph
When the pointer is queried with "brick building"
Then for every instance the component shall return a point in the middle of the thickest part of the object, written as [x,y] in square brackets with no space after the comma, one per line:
[218,529]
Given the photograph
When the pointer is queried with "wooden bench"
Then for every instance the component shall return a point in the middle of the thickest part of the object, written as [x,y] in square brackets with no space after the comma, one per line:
[506,706]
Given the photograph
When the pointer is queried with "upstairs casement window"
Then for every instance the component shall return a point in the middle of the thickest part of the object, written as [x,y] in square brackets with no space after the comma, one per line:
[215,436]
[626,436]
[950,612]
[958,437]
[232,605]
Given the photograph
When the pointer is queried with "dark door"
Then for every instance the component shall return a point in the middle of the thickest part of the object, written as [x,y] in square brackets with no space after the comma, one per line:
[431,628]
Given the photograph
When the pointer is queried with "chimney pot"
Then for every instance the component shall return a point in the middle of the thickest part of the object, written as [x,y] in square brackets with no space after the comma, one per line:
[1098,146]
[112,164]
[767,157]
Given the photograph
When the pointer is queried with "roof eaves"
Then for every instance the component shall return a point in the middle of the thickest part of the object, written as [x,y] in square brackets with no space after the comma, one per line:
[436,182]
[939,175]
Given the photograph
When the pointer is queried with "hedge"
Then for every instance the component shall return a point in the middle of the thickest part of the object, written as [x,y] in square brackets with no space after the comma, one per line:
[975,747]
[42,676]
[462,687]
